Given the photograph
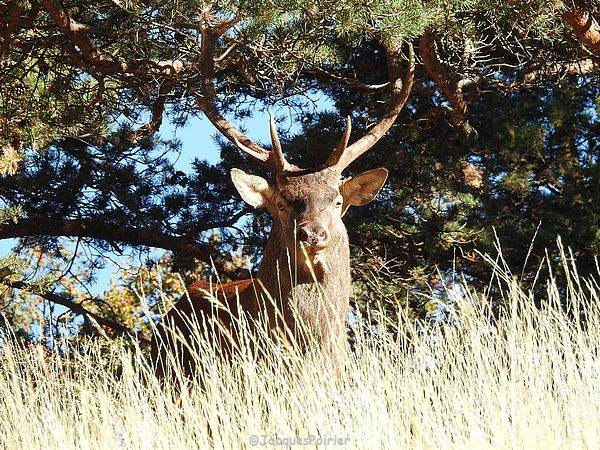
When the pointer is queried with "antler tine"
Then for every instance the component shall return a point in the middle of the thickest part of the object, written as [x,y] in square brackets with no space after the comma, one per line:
[258,156]
[346,137]
[280,164]
[341,147]
[343,157]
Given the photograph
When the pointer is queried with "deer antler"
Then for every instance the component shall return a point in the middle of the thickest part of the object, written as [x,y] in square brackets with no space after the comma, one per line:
[207,103]
[281,164]
[343,155]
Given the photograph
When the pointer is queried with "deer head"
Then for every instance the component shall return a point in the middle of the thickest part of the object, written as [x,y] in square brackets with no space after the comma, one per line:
[308,205]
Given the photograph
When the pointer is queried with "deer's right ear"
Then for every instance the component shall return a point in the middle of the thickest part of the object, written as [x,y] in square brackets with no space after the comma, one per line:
[254,190]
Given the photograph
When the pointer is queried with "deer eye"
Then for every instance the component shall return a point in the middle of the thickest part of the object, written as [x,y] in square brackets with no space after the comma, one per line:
[338,204]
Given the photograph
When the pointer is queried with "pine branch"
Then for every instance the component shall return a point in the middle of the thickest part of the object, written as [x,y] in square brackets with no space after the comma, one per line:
[97,229]
[83,50]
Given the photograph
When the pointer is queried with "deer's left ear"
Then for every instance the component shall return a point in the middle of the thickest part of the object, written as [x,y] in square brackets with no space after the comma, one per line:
[362,188]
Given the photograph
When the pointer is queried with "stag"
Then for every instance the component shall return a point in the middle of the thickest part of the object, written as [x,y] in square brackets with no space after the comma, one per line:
[304,277]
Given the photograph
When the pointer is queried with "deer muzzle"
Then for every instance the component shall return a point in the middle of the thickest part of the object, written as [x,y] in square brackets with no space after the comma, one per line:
[313,237]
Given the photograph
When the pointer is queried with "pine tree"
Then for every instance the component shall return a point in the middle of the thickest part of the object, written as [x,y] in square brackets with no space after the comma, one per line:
[501,129]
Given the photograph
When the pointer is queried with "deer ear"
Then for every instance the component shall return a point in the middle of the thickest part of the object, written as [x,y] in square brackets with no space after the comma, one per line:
[253,189]
[362,188]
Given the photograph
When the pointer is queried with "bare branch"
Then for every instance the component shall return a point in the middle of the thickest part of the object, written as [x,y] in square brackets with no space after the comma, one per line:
[583,67]
[584,24]
[155,122]
[351,82]
[16,21]
[451,87]
[97,229]
[77,308]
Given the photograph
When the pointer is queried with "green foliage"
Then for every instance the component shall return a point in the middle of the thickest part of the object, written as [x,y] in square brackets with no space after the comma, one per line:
[79,111]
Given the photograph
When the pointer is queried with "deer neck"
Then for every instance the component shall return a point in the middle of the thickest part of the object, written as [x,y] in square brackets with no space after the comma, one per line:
[321,295]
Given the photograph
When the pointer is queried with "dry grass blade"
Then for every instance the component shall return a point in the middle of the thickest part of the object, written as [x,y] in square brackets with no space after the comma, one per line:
[528,378]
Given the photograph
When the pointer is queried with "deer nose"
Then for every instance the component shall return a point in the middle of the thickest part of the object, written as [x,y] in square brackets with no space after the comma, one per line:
[313,235]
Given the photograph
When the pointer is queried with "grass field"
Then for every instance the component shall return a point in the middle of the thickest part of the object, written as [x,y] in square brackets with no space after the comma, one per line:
[530,379]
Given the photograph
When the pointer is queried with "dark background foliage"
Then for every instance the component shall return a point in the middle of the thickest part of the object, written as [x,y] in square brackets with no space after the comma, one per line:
[498,143]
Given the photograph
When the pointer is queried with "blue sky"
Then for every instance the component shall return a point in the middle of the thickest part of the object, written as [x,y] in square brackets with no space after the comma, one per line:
[198,141]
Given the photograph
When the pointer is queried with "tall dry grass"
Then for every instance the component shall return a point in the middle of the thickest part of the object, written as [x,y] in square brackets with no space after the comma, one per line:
[529,378]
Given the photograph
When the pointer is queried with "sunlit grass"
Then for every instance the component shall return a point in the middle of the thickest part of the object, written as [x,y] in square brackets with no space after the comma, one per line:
[528,377]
